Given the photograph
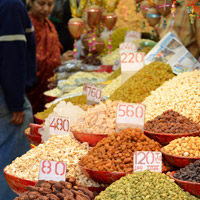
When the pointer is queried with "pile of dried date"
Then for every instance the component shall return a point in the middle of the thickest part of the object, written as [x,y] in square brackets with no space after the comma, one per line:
[52,190]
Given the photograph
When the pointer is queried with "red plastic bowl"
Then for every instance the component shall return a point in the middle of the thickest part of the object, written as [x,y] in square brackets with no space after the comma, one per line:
[178,161]
[105,68]
[33,139]
[191,187]
[166,138]
[92,139]
[34,129]
[17,185]
[102,176]
[38,120]
[48,99]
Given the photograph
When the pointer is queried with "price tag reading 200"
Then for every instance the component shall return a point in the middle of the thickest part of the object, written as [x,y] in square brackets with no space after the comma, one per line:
[52,170]
[59,125]
[131,114]
[147,160]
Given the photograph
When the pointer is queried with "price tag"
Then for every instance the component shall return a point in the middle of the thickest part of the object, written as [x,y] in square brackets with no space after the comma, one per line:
[59,125]
[52,170]
[130,115]
[87,85]
[132,35]
[93,95]
[116,64]
[128,47]
[147,160]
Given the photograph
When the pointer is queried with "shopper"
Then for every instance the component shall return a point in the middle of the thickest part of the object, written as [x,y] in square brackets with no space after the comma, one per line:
[188,33]
[17,70]
[48,49]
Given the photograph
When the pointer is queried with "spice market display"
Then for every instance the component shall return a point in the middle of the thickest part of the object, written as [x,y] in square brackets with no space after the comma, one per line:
[77,150]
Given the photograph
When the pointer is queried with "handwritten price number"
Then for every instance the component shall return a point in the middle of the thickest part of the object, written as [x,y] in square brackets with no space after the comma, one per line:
[128,110]
[94,94]
[59,124]
[133,34]
[51,170]
[147,160]
[132,57]
[86,85]
[128,46]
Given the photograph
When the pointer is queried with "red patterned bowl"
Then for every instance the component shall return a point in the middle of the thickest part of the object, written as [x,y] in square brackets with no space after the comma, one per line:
[191,187]
[102,176]
[38,120]
[33,139]
[92,139]
[17,185]
[166,138]
[178,161]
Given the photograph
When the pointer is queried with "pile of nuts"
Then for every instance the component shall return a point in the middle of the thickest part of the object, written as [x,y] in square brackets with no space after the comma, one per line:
[181,94]
[53,190]
[101,119]
[185,146]
[115,152]
[63,148]
[171,122]
[144,185]
[190,173]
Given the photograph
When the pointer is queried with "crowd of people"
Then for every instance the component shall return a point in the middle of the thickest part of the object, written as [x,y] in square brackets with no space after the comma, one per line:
[32,43]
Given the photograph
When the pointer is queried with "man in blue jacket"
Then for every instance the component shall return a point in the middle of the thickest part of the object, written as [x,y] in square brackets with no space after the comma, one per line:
[17,73]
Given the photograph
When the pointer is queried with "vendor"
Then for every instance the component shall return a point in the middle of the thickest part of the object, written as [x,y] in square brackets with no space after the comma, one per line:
[48,49]
[188,33]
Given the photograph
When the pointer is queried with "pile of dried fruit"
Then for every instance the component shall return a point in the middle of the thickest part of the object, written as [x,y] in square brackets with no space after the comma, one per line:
[144,185]
[171,122]
[53,190]
[140,85]
[115,152]
[185,146]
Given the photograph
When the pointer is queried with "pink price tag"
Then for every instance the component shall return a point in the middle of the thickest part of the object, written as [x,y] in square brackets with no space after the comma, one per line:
[132,35]
[131,115]
[52,170]
[147,160]
[93,94]
[59,125]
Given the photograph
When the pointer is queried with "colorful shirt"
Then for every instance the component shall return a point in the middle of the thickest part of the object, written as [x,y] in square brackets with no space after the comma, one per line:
[189,34]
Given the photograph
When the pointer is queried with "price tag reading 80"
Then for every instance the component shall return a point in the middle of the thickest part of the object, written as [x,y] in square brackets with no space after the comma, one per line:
[147,160]
[59,125]
[52,170]
[93,94]
[130,113]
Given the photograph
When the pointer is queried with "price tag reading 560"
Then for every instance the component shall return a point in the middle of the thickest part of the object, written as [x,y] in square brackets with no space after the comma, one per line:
[147,160]
[59,125]
[131,114]
[52,170]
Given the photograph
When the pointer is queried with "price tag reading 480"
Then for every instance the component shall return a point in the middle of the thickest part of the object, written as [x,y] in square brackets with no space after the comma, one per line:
[52,170]
[131,114]
[93,94]
[147,160]
[59,125]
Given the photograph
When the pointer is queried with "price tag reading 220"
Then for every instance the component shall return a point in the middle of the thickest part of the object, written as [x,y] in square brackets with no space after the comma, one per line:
[59,125]
[147,160]
[130,113]
[52,170]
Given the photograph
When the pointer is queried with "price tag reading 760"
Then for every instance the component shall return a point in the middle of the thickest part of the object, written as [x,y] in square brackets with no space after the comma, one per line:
[59,125]
[52,170]
[131,114]
[147,160]
[93,94]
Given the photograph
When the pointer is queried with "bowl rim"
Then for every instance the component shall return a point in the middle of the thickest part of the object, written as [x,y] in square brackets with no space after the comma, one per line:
[171,175]
[79,165]
[34,125]
[36,117]
[180,157]
[15,177]
[171,134]
[93,134]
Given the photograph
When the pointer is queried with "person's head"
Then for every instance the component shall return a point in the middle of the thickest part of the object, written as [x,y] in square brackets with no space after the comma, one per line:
[41,8]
